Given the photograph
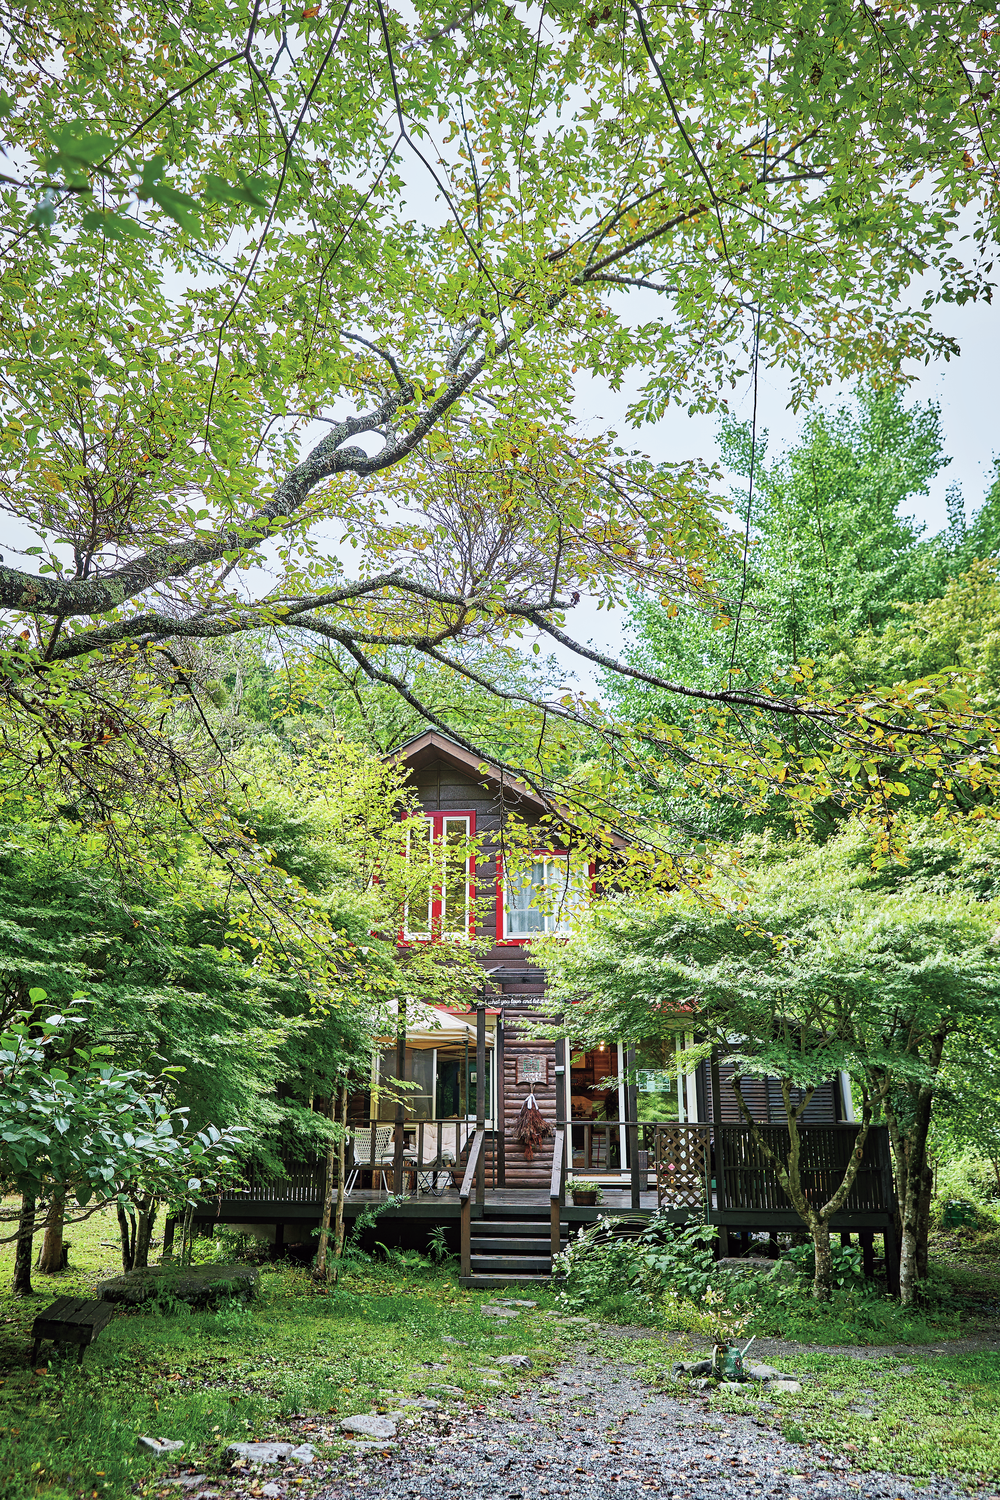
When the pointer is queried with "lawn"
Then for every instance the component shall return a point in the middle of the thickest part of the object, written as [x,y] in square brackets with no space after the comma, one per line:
[212,1378]
[301,1357]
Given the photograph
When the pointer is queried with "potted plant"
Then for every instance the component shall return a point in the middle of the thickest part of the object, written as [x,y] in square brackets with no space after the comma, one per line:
[587,1194]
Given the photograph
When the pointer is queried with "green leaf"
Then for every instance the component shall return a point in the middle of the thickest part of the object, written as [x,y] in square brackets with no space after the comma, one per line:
[154,188]
[115,226]
[77,151]
[43,215]
[217,190]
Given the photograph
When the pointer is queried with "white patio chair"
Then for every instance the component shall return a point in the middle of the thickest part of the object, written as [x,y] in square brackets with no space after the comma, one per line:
[369,1155]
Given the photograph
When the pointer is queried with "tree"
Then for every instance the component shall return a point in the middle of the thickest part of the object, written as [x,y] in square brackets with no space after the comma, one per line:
[264,1011]
[77,1131]
[804,974]
[160,442]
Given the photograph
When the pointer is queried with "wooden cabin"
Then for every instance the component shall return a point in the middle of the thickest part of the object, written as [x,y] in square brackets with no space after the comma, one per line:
[673,1140]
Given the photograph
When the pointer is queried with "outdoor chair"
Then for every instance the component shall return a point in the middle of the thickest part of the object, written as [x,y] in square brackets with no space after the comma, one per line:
[370,1148]
[433,1171]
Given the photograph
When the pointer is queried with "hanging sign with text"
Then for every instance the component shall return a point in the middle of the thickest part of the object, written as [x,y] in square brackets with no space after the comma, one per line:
[532,1069]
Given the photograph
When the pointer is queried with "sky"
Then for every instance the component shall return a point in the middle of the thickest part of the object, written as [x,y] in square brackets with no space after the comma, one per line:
[966,388]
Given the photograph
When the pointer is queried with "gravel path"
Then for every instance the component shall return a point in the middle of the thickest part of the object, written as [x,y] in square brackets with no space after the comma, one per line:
[596,1431]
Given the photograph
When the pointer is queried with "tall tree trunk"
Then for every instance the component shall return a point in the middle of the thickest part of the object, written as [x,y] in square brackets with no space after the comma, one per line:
[50,1259]
[22,1250]
[319,1269]
[144,1232]
[916,1160]
[338,1227]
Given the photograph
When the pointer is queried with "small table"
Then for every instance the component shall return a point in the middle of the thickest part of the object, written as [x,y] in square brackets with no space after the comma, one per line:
[71,1320]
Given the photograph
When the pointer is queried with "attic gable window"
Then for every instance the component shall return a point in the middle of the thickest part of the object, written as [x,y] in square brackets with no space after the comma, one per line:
[544,896]
[440,842]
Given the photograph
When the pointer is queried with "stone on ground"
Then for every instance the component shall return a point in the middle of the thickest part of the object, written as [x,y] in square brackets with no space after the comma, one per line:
[514,1361]
[159,1445]
[271,1453]
[367,1424]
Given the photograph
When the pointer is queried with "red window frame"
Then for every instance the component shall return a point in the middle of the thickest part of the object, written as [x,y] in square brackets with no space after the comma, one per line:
[436,903]
[502,939]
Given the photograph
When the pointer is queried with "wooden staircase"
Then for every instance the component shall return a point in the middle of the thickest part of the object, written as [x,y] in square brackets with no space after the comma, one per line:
[510,1246]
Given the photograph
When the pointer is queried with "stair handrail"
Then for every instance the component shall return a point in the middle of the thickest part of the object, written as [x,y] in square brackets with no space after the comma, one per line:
[465,1198]
[557,1187]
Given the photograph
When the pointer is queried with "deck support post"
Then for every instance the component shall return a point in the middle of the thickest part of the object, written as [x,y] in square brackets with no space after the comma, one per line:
[397,1134]
[632,1113]
[891,1242]
[867,1238]
[481,1099]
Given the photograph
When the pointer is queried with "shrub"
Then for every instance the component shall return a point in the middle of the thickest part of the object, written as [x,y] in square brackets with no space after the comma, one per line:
[609,1265]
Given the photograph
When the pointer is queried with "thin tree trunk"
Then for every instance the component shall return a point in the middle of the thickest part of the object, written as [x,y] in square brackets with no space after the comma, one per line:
[187,1235]
[51,1257]
[319,1270]
[916,1161]
[338,1228]
[169,1227]
[22,1250]
[790,1177]
[144,1232]
[125,1234]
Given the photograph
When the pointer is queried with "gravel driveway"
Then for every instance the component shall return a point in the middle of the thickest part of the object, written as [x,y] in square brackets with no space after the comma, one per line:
[597,1431]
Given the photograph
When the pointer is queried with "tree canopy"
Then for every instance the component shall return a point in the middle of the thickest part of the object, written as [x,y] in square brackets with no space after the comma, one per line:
[276,289]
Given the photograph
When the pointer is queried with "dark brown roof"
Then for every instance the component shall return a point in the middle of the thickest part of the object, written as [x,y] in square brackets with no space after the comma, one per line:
[424,749]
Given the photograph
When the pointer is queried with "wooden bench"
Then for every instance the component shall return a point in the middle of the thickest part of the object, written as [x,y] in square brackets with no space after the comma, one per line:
[71,1320]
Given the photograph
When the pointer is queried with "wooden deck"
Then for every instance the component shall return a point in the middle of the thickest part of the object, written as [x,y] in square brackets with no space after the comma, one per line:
[688,1174]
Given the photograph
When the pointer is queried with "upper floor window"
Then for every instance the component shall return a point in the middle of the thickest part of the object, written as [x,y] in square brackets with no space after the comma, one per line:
[544,896]
[442,908]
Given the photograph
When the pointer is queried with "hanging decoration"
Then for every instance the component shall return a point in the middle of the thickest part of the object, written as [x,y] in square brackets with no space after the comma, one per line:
[531,1129]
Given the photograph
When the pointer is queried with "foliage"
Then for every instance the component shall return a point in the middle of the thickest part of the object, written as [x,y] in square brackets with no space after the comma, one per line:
[601,1269]
[796,972]
[74,1125]
[209,363]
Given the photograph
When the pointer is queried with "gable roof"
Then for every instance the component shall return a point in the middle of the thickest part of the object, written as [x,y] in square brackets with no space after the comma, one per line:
[424,749]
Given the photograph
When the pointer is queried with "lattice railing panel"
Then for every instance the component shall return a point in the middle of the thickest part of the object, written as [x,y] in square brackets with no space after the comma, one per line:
[681,1161]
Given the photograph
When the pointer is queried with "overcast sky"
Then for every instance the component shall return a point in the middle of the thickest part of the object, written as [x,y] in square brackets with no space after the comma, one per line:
[966,389]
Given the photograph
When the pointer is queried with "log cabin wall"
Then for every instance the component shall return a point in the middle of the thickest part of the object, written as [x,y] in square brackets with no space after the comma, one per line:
[443,786]
[448,780]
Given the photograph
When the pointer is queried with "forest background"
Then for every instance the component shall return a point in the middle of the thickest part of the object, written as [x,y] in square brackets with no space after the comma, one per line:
[213,253]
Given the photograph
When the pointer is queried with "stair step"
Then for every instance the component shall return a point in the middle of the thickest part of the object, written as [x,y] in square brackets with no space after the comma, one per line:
[484,1282]
[540,1265]
[513,1226]
[539,1245]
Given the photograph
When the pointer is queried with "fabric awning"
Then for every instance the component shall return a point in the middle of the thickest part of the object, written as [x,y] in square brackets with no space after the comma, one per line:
[429,1026]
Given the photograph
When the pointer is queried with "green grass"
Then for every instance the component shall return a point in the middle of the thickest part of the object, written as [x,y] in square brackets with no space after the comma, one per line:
[69,1433]
[239,1373]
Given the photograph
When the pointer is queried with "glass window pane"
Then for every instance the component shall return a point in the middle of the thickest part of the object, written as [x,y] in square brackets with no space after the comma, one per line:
[523,915]
[544,898]
[419,1104]
[417,922]
[455,879]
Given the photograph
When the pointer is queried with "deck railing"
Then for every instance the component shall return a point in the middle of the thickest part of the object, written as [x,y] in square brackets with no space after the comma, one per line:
[434,1155]
[725,1167]
[697,1166]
